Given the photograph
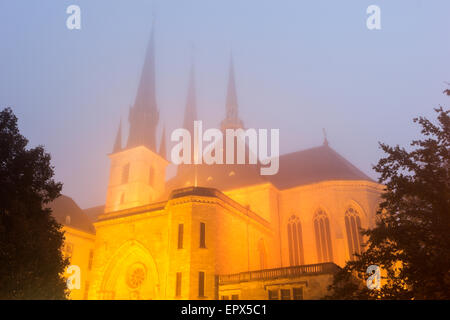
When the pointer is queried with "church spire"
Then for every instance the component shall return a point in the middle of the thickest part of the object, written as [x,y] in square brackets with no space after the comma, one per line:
[325,138]
[231,120]
[190,114]
[144,115]
[118,143]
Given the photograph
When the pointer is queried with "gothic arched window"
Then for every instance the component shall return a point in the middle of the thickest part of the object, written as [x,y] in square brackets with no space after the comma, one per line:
[353,226]
[323,237]
[295,239]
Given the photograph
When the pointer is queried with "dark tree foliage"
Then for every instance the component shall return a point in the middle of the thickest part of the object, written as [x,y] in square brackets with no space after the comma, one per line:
[31,262]
[411,239]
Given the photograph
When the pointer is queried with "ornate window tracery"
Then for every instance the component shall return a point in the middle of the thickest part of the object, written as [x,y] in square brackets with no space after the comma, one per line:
[323,237]
[136,275]
[353,226]
[295,240]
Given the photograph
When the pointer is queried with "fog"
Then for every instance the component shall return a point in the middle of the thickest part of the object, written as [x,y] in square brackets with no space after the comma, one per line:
[300,66]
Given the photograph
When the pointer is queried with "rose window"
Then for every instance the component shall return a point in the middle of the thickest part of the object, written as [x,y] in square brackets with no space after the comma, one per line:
[136,276]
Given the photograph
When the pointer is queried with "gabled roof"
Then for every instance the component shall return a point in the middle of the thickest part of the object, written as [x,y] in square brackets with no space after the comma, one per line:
[295,169]
[221,177]
[64,207]
[312,166]
[94,212]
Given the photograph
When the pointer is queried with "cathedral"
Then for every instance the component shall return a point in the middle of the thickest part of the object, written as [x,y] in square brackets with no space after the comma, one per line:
[214,231]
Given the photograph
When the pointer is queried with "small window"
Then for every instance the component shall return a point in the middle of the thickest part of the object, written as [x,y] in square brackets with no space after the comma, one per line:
[225,298]
[68,220]
[297,293]
[201,284]
[273,294]
[86,290]
[235,297]
[68,249]
[125,173]
[178,285]
[180,236]
[285,294]
[91,258]
[202,235]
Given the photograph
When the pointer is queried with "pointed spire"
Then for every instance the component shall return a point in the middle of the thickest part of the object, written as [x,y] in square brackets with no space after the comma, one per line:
[162,145]
[231,120]
[118,143]
[144,115]
[325,139]
[190,114]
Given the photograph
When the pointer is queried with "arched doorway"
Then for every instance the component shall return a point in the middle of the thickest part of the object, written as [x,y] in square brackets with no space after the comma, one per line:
[131,274]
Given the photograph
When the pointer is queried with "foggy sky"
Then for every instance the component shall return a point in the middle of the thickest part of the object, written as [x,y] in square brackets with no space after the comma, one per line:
[300,66]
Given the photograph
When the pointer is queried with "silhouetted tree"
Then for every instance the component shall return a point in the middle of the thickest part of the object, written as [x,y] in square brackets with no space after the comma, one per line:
[411,239]
[31,263]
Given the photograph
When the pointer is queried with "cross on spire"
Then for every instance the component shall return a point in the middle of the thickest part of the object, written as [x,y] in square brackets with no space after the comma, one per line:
[325,139]
[231,120]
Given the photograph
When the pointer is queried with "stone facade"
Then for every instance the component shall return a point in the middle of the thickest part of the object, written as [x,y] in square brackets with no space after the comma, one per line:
[79,247]
[160,238]
[184,247]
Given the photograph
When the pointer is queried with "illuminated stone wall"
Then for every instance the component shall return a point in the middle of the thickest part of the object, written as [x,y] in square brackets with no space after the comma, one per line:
[80,244]
[142,183]
[129,262]
[136,249]
[137,254]
[333,198]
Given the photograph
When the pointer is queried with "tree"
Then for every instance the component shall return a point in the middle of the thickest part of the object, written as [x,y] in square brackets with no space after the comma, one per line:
[411,239]
[31,262]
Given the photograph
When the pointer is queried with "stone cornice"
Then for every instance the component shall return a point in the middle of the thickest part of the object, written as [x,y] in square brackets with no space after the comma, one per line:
[187,195]
[376,187]
[79,233]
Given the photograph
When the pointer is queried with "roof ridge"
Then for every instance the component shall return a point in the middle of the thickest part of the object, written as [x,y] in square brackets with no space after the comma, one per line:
[348,163]
[304,150]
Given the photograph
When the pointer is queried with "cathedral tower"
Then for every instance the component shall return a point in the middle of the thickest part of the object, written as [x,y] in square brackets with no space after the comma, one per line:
[137,175]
